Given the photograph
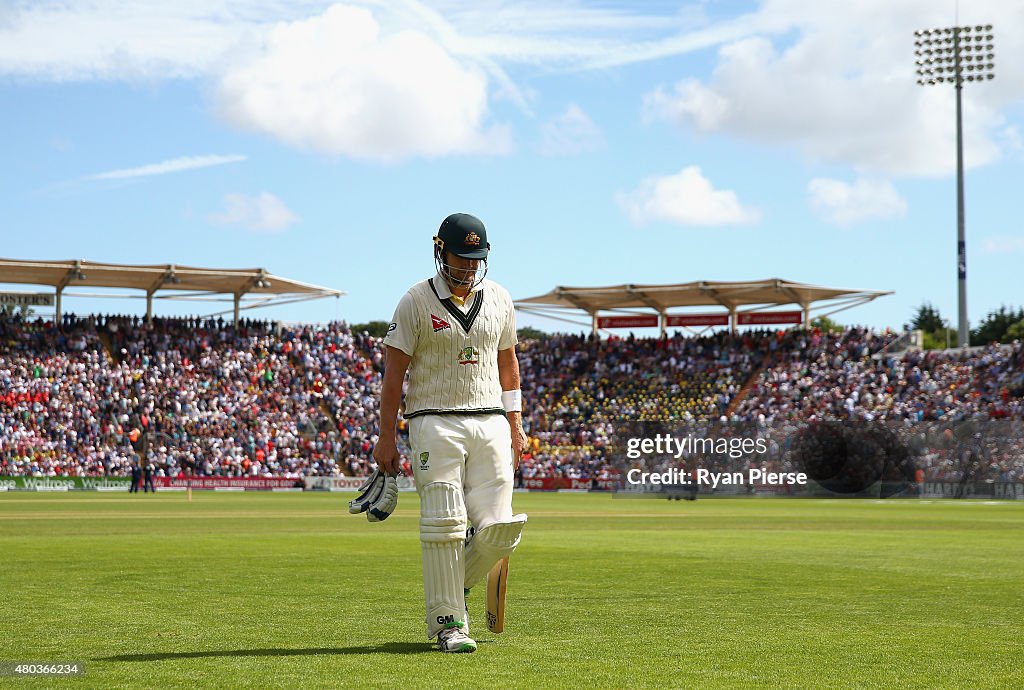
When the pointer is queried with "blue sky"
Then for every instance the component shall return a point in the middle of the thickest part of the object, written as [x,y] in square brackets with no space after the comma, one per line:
[601,143]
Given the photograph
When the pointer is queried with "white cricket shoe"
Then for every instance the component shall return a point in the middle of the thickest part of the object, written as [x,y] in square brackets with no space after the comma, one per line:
[454,639]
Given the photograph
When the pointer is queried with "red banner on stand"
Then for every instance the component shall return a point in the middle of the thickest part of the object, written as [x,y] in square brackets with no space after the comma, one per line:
[765,318]
[697,320]
[639,321]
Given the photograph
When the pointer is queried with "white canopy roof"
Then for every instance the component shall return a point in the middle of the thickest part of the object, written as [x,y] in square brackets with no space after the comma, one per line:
[642,299]
[171,281]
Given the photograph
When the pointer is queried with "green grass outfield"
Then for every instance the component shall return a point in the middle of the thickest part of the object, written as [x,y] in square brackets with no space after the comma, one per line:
[261,590]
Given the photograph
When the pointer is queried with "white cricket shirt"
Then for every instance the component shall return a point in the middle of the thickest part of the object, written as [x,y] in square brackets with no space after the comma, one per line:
[454,349]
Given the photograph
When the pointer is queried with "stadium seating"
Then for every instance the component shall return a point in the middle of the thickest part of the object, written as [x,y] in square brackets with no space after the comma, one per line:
[268,399]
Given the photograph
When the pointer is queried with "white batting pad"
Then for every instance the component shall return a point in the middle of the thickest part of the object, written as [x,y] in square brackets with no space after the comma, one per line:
[442,513]
[442,533]
[491,544]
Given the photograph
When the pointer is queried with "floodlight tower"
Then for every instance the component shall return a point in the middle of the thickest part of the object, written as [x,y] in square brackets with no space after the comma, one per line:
[953,55]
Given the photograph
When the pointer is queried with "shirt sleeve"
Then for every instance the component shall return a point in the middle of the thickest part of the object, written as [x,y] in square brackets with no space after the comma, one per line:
[403,331]
[508,332]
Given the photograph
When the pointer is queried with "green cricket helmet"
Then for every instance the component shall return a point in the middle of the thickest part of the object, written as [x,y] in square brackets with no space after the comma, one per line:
[464,236]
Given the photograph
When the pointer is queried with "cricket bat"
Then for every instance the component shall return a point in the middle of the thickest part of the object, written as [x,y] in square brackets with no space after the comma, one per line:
[497,583]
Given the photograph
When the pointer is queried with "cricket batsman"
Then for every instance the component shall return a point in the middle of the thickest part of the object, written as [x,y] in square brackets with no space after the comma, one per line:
[455,334]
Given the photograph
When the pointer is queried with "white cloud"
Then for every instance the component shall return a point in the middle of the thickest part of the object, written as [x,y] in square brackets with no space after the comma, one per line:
[1011,139]
[571,133]
[116,39]
[1004,244]
[335,83]
[107,39]
[264,213]
[168,166]
[841,203]
[840,87]
[831,79]
[687,198]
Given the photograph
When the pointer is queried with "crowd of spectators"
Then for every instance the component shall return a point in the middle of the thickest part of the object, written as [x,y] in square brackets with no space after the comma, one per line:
[207,397]
[958,413]
[57,402]
[202,397]
[581,388]
[830,378]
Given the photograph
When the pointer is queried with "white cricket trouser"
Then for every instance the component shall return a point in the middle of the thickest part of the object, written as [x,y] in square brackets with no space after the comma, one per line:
[471,452]
[463,469]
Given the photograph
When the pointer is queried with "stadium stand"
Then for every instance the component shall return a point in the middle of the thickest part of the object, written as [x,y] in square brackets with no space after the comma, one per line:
[264,399]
